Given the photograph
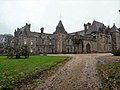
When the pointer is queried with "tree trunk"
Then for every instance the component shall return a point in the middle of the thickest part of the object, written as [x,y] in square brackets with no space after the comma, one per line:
[17,56]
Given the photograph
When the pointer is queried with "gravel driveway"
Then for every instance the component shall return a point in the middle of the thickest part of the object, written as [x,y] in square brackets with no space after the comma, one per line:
[77,74]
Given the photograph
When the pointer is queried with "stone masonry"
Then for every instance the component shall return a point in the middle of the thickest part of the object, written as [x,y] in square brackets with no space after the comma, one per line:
[95,37]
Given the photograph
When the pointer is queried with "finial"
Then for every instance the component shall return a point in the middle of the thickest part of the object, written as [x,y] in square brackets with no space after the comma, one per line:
[60,16]
[113,24]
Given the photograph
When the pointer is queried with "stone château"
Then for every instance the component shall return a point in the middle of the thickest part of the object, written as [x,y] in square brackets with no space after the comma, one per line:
[95,37]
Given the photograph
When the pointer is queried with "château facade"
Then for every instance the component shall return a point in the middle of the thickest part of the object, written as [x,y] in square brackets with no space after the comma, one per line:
[95,37]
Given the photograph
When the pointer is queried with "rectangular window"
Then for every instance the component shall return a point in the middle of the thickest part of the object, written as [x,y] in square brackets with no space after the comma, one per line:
[31,50]
[24,42]
[31,43]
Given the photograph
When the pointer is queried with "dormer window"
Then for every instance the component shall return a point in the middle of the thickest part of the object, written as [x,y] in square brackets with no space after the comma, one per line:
[31,50]
[50,43]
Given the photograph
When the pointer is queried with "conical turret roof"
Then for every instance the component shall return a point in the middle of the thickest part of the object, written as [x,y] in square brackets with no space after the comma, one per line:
[60,28]
[114,29]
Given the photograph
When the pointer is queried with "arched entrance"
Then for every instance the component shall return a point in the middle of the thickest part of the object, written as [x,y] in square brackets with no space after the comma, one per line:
[68,50]
[88,48]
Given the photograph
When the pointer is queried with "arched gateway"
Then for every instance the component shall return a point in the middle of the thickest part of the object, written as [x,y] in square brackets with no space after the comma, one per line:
[88,49]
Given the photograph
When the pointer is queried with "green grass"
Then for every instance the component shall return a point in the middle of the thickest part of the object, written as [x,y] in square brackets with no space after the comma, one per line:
[110,75]
[15,71]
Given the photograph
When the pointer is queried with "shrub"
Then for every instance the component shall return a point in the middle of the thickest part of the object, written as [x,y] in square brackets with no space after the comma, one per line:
[17,51]
[116,53]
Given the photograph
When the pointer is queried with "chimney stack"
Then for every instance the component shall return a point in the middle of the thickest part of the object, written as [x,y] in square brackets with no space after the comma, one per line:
[42,30]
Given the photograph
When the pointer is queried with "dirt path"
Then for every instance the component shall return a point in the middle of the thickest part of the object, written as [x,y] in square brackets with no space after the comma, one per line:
[77,74]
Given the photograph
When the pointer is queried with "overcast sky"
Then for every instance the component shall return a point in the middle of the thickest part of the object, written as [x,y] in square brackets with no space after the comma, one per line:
[46,13]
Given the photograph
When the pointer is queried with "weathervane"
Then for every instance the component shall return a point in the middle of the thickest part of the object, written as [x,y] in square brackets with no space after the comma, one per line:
[60,16]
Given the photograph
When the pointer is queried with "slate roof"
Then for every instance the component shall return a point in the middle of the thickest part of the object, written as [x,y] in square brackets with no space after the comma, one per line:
[94,27]
[78,32]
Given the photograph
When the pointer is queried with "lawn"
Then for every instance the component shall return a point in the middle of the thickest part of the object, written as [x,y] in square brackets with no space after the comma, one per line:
[15,71]
[110,74]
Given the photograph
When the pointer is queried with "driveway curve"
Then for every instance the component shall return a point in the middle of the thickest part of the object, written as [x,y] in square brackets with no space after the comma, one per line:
[79,73]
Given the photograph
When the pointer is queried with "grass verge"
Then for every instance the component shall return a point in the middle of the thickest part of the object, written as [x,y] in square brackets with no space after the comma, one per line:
[13,72]
[110,73]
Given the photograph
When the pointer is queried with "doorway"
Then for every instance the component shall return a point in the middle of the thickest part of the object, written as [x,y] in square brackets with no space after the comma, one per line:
[88,48]
[68,50]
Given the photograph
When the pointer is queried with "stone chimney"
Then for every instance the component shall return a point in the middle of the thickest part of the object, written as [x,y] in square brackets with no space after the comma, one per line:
[85,26]
[89,25]
[42,30]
